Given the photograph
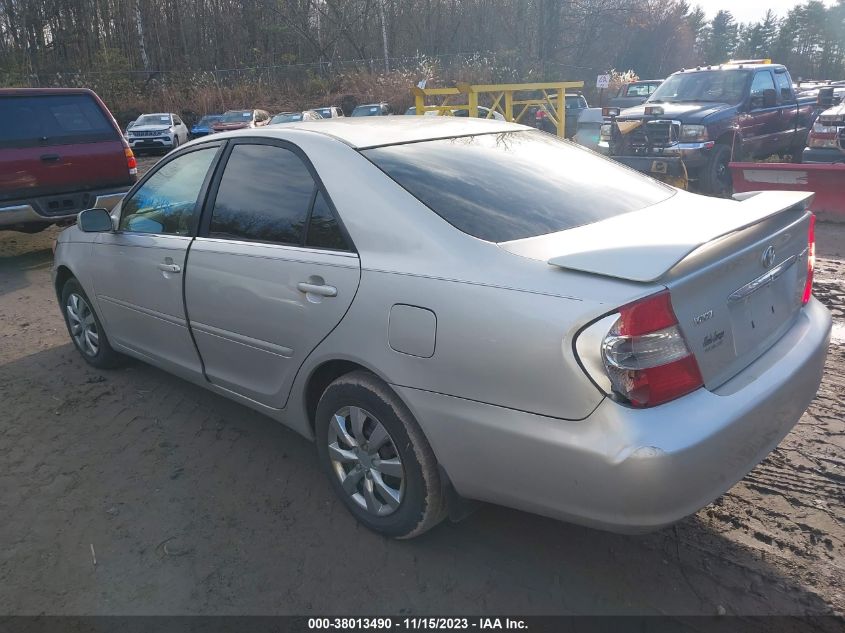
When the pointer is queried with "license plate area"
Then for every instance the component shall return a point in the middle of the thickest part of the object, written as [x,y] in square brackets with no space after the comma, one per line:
[759,309]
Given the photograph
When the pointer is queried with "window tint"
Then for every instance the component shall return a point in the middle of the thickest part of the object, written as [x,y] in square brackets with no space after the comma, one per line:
[264,195]
[323,229]
[501,187]
[784,86]
[762,81]
[51,120]
[167,201]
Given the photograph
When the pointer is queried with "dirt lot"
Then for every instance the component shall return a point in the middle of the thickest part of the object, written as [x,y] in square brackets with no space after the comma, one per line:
[192,504]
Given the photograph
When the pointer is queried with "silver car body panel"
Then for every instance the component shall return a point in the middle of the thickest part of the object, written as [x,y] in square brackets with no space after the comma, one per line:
[511,413]
[645,245]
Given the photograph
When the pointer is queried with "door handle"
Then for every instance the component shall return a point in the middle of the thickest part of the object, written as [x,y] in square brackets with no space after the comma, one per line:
[170,268]
[50,158]
[316,289]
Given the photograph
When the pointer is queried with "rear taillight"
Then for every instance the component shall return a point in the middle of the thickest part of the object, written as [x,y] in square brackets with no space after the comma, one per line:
[645,355]
[131,163]
[823,137]
[811,261]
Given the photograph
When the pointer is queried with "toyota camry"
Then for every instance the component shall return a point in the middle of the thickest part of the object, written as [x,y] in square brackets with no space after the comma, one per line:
[463,309]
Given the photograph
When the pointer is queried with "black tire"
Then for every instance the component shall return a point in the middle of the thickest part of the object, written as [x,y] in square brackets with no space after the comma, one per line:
[423,501]
[104,357]
[31,228]
[716,177]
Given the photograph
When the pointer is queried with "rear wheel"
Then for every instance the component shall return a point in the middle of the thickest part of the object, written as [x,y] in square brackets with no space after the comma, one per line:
[85,329]
[716,177]
[376,457]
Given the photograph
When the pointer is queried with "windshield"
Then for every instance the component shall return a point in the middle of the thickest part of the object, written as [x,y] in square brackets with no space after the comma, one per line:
[367,110]
[326,113]
[153,119]
[514,185]
[287,118]
[237,116]
[208,120]
[718,86]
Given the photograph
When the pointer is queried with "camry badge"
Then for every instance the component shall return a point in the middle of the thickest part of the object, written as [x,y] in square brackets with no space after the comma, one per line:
[768,258]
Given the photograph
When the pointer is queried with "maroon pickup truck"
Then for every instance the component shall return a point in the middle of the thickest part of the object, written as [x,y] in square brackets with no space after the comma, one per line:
[61,151]
[699,120]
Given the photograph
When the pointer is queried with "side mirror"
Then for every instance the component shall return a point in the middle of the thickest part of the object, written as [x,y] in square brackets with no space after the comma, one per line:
[770,98]
[94,221]
[826,97]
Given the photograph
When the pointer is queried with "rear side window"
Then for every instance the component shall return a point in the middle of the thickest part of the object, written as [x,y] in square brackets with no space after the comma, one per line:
[502,187]
[264,195]
[323,228]
[53,120]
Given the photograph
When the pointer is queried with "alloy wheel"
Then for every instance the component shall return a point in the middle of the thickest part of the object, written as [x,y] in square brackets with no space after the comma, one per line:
[83,327]
[365,459]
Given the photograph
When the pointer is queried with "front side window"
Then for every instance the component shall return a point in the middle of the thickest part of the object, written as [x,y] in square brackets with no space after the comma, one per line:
[762,82]
[167,201]
[264,195]
[514,185]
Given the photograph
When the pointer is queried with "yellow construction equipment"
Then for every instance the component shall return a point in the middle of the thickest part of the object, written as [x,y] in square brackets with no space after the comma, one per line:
[508,100]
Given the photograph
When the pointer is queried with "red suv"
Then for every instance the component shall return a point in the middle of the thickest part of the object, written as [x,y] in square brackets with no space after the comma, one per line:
[61,151]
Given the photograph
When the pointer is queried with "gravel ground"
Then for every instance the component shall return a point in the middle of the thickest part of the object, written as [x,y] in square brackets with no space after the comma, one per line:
[133,492]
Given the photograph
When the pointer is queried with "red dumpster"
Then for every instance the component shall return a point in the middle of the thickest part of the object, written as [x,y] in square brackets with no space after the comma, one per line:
[826,181]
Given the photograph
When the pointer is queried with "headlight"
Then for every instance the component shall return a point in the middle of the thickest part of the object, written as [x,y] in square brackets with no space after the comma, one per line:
[693,133]
[606,131]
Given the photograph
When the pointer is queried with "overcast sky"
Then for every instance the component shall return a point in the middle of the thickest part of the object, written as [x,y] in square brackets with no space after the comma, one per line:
[749,10]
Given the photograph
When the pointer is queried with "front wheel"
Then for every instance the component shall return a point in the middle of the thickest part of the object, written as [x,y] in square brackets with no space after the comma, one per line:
[376,457]
[716,177]
[85,329]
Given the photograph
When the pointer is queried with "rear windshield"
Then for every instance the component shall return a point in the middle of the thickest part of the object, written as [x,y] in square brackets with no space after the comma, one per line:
[510,186]
[367,110]
[286,118]
[53,120]
[237,116]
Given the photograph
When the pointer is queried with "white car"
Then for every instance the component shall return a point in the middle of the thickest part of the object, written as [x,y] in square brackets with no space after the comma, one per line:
[159,131]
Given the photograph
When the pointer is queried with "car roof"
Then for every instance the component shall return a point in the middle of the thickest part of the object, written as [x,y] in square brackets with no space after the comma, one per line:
[367,132]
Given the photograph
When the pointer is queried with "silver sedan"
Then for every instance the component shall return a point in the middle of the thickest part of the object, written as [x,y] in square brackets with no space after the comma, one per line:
[463,309]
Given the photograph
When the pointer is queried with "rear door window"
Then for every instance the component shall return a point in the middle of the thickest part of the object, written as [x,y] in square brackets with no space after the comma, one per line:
[42,120]
[265,195]
[514,185]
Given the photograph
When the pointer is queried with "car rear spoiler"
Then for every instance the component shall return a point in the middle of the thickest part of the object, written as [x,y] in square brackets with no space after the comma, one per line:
[644,245]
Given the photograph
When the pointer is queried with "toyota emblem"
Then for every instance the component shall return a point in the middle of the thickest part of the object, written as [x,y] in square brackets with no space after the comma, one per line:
[768,258]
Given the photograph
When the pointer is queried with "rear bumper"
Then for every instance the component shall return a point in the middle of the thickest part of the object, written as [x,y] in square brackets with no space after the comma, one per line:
[623,469]
[23,213]
[822,156]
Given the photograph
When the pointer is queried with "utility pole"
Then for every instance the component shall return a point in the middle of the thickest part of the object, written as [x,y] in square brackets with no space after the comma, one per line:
[384,34]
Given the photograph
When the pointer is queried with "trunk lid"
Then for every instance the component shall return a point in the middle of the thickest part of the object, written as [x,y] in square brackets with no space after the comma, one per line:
[735,270]
[55,143]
